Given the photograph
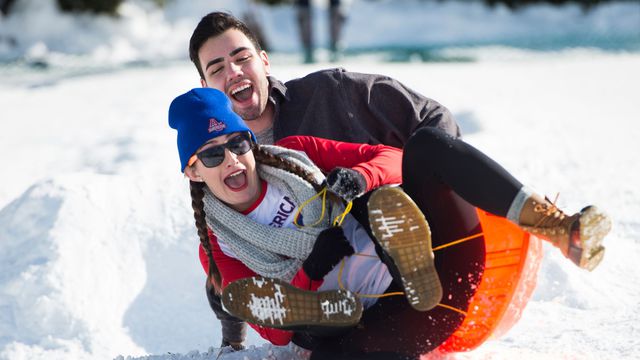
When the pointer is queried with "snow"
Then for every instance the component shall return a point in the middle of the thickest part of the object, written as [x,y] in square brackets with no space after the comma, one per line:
[98,251]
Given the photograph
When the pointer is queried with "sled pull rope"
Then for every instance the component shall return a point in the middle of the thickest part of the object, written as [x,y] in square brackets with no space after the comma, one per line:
[443,246]
[374,296]
[396,293]
[456,242]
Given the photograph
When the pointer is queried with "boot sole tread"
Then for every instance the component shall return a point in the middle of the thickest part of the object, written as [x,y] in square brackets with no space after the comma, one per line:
[278,304]
[594,226]
[404,234]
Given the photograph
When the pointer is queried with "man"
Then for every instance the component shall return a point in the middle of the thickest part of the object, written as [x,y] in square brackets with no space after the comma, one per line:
[339,105]
[337,18]
[333,103]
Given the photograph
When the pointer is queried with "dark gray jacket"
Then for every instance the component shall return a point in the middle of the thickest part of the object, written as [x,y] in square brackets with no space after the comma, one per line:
[354,107]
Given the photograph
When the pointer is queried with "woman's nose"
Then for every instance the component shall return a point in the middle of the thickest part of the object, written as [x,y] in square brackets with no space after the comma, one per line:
[230,158]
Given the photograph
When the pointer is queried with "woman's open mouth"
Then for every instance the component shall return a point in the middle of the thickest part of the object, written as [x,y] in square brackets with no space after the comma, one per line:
[237,181]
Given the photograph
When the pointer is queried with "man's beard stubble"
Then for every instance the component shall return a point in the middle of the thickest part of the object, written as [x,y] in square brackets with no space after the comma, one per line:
[249,114]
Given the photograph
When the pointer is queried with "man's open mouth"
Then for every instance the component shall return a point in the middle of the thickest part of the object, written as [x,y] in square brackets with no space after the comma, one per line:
[242,92]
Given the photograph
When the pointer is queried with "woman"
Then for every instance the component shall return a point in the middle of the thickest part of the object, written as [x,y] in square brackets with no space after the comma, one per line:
[259,201]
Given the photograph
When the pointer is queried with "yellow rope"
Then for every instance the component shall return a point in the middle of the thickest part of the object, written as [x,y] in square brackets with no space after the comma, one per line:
[359,294]
[455,242]
[336,222]
[378,296]
[322,193]
[340,218]
[374,296]
[452,308]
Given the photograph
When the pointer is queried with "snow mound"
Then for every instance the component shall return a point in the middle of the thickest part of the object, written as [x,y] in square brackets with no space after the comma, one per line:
[84,257]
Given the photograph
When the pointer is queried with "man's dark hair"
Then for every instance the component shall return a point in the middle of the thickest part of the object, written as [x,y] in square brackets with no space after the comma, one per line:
[214,24]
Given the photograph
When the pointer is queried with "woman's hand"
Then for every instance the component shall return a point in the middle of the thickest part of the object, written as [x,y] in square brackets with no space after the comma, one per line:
[330,247]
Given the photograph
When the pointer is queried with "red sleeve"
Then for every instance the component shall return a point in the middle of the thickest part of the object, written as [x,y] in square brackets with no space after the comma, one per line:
[232,269]
[380,164]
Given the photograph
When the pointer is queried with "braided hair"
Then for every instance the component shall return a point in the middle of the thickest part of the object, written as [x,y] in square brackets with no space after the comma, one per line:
[197,194]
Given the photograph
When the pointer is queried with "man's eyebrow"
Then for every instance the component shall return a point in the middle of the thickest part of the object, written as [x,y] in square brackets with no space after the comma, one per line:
[232,53]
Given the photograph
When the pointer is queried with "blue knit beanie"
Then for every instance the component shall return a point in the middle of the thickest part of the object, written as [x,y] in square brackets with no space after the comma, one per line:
[200,115]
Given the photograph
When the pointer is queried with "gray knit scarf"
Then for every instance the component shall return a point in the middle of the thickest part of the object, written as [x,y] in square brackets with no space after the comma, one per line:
[269,251]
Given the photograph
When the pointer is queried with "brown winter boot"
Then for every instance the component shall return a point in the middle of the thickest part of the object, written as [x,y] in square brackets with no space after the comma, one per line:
[578,236]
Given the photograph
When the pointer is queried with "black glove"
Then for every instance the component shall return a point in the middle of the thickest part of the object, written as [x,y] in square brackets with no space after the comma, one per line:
[330,247]
[346,183]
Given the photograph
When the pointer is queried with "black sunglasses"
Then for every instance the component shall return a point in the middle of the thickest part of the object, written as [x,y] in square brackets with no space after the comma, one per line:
[214,156]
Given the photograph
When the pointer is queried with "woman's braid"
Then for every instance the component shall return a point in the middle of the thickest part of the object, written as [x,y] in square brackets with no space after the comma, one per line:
[197,194]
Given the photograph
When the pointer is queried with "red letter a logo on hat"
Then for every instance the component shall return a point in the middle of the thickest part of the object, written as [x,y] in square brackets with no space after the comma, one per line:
[216,126]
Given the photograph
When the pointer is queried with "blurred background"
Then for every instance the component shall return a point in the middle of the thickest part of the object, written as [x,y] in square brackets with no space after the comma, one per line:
[70,37]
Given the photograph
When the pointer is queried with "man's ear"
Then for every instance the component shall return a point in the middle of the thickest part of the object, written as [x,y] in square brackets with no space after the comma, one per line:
[265,61]
[192,174]
[203,82]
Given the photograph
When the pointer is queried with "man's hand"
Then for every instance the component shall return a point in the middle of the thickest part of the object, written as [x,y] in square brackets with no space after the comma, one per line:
[346,183]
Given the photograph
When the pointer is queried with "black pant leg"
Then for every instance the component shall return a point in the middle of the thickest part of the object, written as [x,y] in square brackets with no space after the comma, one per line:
[431,153]
[449,215]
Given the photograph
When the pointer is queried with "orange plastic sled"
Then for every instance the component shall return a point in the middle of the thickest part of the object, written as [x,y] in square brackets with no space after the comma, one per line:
[512,261]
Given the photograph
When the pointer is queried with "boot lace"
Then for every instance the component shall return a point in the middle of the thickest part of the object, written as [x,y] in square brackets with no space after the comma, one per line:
[551,213]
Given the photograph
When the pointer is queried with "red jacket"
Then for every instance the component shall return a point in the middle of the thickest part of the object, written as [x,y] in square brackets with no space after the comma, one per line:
[379,164]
